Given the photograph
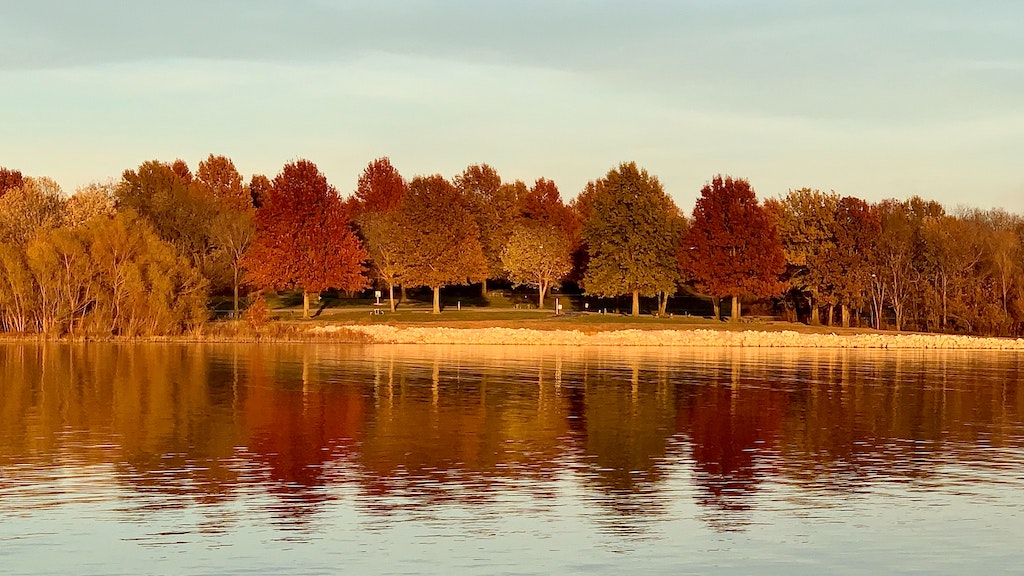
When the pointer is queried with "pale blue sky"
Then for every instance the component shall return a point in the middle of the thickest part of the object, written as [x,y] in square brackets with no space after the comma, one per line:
[868,98]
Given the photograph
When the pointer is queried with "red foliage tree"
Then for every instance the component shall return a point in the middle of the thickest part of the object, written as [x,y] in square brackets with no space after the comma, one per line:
[9,180]
[303,237]
[732,247]
[380,188]
[543,203]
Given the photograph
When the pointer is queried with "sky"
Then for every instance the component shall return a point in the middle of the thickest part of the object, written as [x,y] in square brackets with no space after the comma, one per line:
[874,99]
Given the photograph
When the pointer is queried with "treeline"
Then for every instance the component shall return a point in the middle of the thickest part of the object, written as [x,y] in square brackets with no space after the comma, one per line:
[142,256]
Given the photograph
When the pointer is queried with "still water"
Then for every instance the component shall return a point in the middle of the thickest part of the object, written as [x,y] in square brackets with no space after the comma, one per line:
[325,459]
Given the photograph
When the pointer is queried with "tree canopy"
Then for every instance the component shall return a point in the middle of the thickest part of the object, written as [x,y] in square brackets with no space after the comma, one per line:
[441,238]
[631,231]
[303,236]
[732,247]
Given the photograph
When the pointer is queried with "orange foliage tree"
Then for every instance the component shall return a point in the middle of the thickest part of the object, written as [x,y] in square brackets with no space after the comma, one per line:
[494,207]
[303,238]
[442,240]
[732,247]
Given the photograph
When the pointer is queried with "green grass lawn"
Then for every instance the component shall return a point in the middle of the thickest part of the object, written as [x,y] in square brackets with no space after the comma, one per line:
[499,310]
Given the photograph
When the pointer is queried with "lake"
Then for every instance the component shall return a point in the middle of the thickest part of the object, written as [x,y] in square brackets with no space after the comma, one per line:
[326,458]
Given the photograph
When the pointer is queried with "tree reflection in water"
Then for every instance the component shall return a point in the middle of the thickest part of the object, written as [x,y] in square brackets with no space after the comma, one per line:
[634,436]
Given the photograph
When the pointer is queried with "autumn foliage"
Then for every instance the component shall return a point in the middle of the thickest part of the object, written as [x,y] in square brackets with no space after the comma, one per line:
[304,239]
[441,244]
[732,247]
[156,250]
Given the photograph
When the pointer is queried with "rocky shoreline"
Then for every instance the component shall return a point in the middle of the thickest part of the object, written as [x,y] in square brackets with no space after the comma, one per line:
[385,334]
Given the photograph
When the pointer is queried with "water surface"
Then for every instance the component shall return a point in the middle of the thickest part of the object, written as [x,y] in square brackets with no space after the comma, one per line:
[314,459]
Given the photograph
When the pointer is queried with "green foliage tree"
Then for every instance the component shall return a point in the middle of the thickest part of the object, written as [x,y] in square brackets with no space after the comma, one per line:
[732,247]
[441,244]
[383,235]
[631,233]
[537,254]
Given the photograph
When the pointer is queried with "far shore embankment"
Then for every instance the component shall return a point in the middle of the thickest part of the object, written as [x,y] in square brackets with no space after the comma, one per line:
[708,334]
[708,338]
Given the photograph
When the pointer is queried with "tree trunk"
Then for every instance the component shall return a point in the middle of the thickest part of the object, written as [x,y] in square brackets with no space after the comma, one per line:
[735,309]
[236,289]
[815,317]
[391,296]
[305,304]
[663,304]
[437,299]
[831,314]
[483,288]
[636,303]
[845,312]
[945,306]
[716,303]
[404,297]
[541,289]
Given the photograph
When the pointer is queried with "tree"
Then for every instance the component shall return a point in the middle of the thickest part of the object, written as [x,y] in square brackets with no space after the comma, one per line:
[380,188]
[88,202]
[17,288]
[857,230]
[898,251]
[233,231]
[65,275]
[383,235]
[441,243]
[542,203]
[303,239]
[1003,254]
[952,248]
[143,285]
[259,188]
[494,207]
[37,204]
[232,222]
[218,177]
[164,194]
[631,235]
[732,247]
[9,180]
[806,221]
[379,193]
[538,255]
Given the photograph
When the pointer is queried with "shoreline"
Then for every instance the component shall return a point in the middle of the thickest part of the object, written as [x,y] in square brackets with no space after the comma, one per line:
[386,334]
[689,338]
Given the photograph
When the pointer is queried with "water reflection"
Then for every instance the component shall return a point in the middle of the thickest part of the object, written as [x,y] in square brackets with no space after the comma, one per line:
[400,431]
